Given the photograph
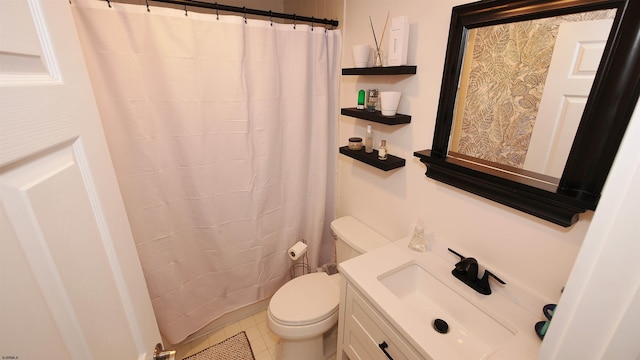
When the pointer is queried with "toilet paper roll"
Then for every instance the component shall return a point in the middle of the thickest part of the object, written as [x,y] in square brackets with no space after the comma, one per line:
[297,250]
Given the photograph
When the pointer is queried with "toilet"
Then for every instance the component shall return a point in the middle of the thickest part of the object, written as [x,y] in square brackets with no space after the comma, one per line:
[304,309]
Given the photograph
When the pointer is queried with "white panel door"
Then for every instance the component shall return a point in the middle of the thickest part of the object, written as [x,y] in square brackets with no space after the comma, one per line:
[576,56]
[71,284]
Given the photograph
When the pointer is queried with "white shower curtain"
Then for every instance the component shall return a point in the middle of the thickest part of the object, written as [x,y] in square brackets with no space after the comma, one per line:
[222,137]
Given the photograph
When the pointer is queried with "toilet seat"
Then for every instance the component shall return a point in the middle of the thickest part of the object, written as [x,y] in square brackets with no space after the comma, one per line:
[305,300]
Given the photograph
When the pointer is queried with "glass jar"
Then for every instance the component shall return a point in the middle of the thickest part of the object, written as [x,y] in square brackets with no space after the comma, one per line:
[355,143]
[372,99]
[379,59]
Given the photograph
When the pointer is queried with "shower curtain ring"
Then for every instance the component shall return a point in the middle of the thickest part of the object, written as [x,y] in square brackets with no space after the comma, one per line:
[185,10]
[294,21]
[147,1]
[109,3]
[271,17]
[244,9]
[312,23]
[217,14]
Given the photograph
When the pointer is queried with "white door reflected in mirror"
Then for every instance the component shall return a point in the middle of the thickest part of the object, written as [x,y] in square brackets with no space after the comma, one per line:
[523,88]
[573,67]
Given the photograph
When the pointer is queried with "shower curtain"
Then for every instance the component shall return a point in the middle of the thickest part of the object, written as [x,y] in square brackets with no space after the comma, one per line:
[222,135]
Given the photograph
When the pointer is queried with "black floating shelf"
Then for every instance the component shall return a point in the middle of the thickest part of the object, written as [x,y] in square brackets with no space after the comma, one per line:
[376,116]
[392,162]
[385,70]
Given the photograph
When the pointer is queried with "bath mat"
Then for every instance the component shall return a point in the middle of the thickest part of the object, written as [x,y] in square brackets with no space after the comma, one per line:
[236,347]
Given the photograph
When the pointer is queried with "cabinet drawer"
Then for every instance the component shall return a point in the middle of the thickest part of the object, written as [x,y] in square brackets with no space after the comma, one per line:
[365,329]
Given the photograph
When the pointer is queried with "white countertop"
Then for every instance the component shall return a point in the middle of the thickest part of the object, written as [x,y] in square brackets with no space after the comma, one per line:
[512,305]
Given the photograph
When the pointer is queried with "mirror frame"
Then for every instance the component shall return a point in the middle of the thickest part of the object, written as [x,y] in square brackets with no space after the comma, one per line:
[611,102]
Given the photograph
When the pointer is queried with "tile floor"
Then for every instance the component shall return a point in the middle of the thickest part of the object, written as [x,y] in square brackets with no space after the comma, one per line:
[264,343]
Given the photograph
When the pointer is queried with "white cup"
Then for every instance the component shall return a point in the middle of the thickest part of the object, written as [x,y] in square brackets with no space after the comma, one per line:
[389,101]
[361,55]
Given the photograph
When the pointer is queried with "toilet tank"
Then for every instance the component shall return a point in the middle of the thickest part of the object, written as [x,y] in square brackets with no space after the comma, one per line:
[354,238]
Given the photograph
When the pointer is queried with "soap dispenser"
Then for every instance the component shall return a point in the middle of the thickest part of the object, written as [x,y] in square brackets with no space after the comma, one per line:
[418,242]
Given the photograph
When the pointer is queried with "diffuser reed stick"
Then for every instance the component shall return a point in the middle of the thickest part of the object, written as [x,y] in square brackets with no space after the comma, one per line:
[374,34]
[373,30]
[384,28]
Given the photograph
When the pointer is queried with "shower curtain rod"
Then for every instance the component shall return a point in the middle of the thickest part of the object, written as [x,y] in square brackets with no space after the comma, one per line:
[243,10]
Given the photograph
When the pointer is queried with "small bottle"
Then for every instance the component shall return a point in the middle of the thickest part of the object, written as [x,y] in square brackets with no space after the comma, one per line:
[361,98]
[418,242]
[382,151]
[372,100]
[368,140]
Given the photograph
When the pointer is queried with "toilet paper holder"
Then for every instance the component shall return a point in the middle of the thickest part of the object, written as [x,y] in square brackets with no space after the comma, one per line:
[297,250]
[298,254]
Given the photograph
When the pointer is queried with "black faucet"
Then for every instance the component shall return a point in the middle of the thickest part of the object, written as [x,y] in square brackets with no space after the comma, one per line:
[466,270]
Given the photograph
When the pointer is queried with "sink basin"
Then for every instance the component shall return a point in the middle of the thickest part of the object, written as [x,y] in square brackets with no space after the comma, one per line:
[471,331]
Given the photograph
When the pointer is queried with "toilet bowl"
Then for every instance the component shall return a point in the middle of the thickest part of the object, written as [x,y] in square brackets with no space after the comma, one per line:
[306,308]
[301,311]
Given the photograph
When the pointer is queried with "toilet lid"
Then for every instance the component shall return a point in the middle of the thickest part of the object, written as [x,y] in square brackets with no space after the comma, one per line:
[306,299]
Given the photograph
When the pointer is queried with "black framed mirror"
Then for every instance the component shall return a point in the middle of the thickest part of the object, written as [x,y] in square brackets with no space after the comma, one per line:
[600,124]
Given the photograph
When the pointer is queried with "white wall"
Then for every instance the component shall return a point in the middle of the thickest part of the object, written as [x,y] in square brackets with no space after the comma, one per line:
[330,9]
[517,246]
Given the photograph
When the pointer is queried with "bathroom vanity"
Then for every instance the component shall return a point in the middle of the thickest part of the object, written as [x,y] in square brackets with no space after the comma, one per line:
[399,304]
[366,333]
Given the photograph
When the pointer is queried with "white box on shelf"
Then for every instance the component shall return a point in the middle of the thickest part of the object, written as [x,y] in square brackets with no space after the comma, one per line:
[399,41]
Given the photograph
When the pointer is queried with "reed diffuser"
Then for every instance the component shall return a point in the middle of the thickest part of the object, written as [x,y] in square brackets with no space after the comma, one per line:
[378,53]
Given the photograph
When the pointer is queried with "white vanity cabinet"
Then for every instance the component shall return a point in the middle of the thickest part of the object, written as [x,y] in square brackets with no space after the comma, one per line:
[362,329]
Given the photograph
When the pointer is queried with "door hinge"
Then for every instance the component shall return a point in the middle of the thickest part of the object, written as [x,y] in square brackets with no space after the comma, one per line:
[160,354]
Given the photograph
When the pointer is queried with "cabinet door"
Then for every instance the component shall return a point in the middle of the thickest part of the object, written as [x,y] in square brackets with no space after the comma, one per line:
[365,330]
